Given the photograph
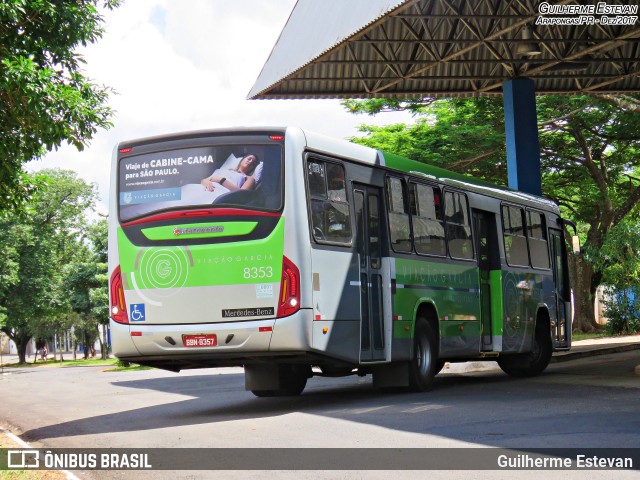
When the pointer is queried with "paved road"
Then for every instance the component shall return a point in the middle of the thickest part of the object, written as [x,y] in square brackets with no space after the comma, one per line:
[583,403]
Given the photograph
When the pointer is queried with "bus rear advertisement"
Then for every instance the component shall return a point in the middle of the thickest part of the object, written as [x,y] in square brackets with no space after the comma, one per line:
[292,254]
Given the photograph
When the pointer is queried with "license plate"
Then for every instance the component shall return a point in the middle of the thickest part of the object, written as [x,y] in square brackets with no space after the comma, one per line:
[195,341]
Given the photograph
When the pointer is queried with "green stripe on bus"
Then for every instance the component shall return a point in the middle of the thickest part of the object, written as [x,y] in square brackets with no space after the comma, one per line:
[495,281]
[200,230]
[452,288]
[232,263]
[406,165]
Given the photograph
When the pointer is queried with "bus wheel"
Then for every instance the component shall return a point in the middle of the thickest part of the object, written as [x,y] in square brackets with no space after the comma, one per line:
[534,362]
[424,364]
[293,379]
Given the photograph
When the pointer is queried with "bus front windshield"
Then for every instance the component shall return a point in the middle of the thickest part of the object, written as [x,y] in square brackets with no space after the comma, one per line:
[246,176]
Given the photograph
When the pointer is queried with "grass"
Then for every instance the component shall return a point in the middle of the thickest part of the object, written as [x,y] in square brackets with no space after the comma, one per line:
[31,475]
[588,336]
[131,368]
[89,362]
[7,442]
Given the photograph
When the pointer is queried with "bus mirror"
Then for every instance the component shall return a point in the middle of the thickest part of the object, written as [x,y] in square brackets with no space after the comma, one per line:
[575,244]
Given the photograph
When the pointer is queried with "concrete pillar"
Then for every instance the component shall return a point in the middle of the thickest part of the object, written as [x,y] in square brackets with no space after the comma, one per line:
[523,146]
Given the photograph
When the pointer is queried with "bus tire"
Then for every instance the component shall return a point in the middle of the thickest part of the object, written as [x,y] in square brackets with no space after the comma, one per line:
[424,363]
[534,362]
[293,379]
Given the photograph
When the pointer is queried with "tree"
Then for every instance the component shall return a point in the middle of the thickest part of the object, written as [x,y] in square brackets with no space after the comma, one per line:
[34,297]
[86,281]
[31,297]
[46,100]
[619,260]
[590,149]
[463,135]
[99,293]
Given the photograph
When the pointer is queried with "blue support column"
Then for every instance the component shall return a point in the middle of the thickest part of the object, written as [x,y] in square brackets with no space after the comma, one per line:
[523,146]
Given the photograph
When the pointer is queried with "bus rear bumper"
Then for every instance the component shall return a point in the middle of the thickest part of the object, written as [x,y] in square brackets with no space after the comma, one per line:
[233,342]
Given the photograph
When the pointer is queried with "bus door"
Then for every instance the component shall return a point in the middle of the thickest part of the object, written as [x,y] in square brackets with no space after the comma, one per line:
[488,261]
[561,292]
[368,210]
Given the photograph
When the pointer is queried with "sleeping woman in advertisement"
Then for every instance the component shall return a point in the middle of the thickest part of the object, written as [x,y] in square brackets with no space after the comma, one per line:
[239,178]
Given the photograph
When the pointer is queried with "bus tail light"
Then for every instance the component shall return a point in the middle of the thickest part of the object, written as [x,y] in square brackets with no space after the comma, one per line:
[289,299]
[118,305]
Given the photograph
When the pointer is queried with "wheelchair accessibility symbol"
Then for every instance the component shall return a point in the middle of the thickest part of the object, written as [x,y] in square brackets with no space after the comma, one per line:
[136,312]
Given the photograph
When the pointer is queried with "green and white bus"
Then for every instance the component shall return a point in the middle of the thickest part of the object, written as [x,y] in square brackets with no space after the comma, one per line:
[293,254]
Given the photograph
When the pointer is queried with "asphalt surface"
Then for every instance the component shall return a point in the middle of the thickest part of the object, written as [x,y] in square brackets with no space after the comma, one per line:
[79,406]
[579,349]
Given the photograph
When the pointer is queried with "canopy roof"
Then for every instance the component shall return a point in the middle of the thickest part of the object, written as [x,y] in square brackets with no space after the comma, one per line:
[413,48]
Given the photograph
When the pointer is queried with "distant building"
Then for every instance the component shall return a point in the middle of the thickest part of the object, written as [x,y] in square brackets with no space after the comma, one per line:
[602,296]
[605,294]
[63,344]
[5,344]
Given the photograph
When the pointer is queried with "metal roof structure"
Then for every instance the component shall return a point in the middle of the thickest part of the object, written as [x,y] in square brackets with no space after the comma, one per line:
[414,48]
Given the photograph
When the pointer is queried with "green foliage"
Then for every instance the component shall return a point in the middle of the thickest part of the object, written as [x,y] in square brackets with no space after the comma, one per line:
[45,97]
[623,313]
[42,244]
[98,291]
[463,135]
[619,256]
[590,149]
[377,105]
[88,286]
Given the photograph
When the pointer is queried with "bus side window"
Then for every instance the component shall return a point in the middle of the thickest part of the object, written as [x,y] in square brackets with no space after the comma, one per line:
[537,233]
[330,220]
[458,225]
[515,242]
[428,222]
[399,228]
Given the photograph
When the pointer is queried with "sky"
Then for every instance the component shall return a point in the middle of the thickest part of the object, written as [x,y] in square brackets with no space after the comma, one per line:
[179,65]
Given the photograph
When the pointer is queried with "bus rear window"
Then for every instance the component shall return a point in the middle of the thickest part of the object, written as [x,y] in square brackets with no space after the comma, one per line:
[222,175]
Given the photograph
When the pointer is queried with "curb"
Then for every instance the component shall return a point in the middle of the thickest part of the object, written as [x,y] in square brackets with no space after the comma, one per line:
[25,445]
[559,357]
[565,357]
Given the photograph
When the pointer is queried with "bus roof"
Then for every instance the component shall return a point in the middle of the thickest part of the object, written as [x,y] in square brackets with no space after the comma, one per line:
[466,182]
[412,166]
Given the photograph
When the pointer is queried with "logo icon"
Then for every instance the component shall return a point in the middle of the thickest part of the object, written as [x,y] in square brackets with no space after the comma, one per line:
[136,312]
[198,230]
[22,459]
[163,268]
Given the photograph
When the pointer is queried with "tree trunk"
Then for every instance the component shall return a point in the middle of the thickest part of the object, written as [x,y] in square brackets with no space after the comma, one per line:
[102,340]
[581,274]
[105,351]
[21,344]
[103,343]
